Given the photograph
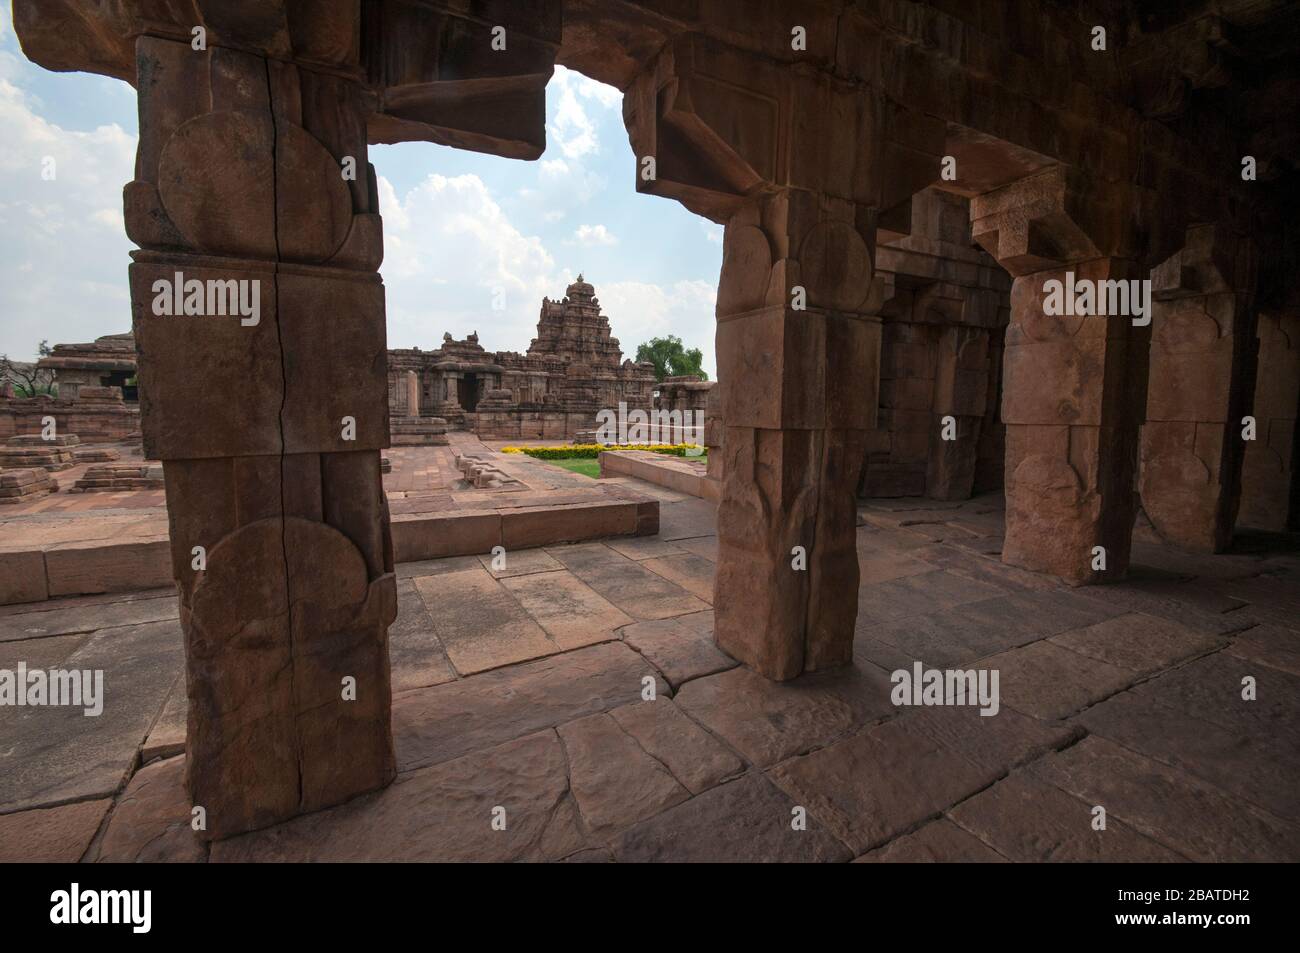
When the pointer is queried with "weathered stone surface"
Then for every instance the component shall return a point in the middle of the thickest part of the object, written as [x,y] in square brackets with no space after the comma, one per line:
[479,623]
[167,736]
[58,753]
[919,594]
[1137,642]
[1167,805]
[440,813]
[569,611]
[647,547]
[1255,767]
[1029,821]
[681,647]
[614,781]
[872,786]
[1273,645]
[1048,681]
[693,573]
[22,577]
[696,759]
[437,724]
[521,563]
[152,820]
[54,835]
[743,821]
[687,519]
[626,583]
[768,722]
[52,619]
[415,652]
[940,841]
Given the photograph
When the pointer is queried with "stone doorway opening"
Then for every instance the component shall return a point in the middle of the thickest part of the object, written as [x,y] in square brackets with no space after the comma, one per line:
[467,391]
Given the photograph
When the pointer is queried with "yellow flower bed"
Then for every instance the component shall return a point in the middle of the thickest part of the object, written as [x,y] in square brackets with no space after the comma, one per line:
[594,449]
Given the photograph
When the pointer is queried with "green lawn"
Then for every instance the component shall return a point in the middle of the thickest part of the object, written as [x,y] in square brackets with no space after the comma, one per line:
[587,466]
[590,466]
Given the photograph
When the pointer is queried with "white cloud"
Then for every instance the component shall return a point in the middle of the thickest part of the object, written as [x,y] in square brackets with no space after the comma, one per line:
[712,231]
[640,311]
[63,264]
[591,235]
[449,250]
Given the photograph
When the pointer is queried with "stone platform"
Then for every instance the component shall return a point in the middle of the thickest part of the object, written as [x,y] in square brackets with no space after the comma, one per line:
[683,474]
[522,688]
[116,539]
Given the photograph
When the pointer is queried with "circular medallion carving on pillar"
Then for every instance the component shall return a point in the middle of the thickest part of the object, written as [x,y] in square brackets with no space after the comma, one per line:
[746,264]
[215,180]
[836,266]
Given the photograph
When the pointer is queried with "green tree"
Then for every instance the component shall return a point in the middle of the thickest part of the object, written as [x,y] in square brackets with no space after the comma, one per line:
[671,358]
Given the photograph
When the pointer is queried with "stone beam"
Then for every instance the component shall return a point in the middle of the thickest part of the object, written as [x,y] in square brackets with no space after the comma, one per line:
[1202,348]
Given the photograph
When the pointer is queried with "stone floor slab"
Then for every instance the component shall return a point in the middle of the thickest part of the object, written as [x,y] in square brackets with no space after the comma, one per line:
[1167,805]
[693,573]
[567,609]
[437,724]
[939,841]
[626,583]
[770,721]
[443,813]
[614,781]
[53,619]
[682,647]
[54,754]
[416,655]
[152,821]
[743,821]
[696,759]
[1048,681]
[1137,642]
[55,835]
[1030,821]
[479,623]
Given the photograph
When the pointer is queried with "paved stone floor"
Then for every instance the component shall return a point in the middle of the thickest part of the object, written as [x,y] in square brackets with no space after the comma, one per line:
[523,690]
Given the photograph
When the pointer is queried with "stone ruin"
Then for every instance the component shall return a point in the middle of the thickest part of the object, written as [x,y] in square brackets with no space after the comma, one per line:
[1152,161]
[95,399]
[572,369]
[25,485]
[32,450]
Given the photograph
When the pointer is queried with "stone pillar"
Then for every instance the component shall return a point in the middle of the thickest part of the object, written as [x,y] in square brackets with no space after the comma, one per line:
[797,337]
[1073,384]
[268,420]
[1268,479]
[412,394]
[1202,349]
[960,390]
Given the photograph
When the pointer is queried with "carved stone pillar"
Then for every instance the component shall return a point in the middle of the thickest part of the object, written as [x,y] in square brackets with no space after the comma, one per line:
[797,416]
[1073,384]
[266,399]
[1269,497]
[741,138]
[1202,349]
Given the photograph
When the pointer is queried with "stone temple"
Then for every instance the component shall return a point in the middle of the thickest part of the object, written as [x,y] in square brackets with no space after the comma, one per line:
[918,461]
[572,369]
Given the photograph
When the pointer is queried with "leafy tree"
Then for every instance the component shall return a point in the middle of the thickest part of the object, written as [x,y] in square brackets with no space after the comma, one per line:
[671,358]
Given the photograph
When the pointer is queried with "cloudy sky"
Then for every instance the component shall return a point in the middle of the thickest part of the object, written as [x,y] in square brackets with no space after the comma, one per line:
[457,225]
